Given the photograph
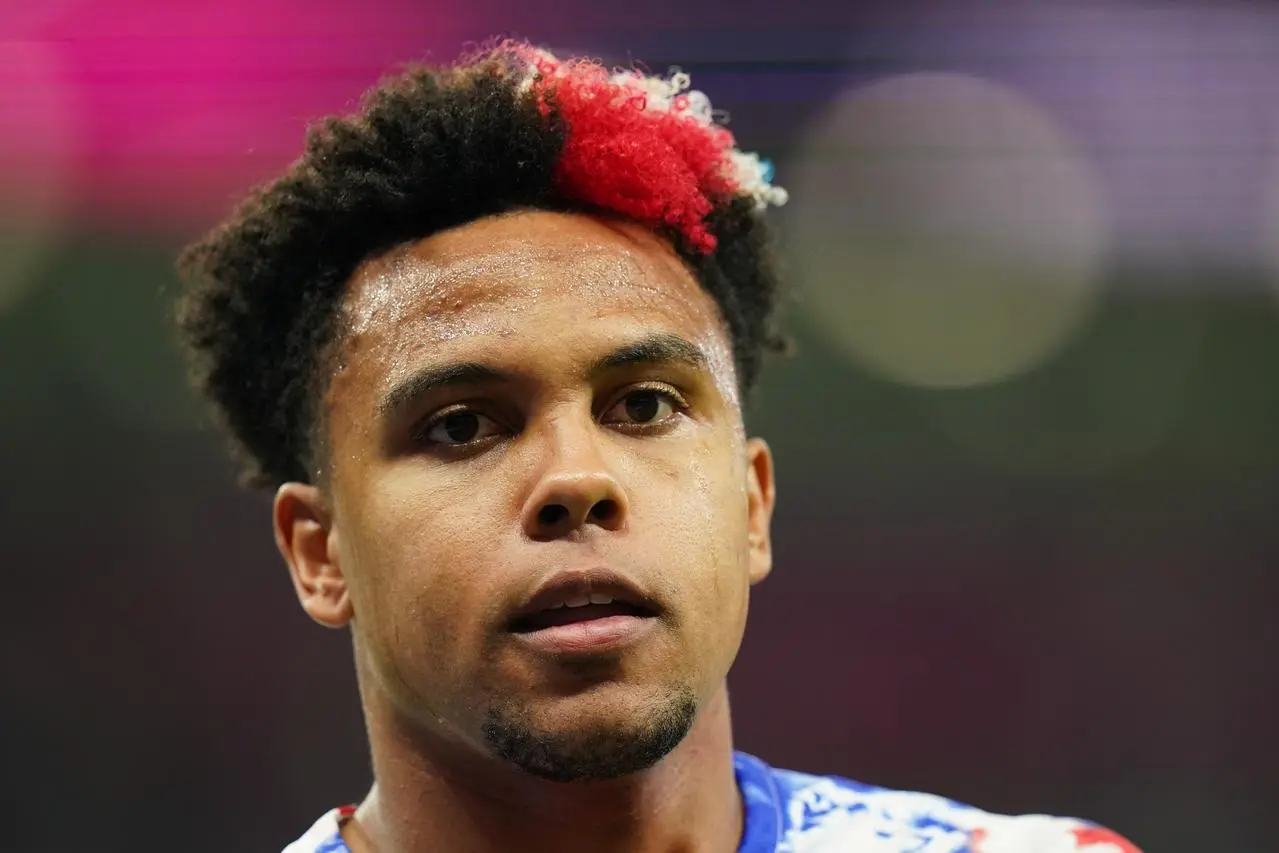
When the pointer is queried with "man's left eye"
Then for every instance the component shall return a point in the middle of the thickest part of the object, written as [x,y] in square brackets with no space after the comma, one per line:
[643,406]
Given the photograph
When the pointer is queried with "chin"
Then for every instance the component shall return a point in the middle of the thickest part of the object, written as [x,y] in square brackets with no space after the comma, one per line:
[591,738]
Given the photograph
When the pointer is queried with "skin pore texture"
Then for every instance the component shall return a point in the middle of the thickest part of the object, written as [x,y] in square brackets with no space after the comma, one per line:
[520,396]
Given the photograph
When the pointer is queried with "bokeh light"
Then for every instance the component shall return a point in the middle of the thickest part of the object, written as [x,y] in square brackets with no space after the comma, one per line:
[945,231]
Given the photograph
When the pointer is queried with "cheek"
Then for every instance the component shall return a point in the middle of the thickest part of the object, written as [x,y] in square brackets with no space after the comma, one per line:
[713,535]
[413,555]
[410,529]
[707,517]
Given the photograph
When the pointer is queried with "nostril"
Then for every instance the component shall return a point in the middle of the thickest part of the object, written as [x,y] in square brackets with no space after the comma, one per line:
[604,511]
[551,515]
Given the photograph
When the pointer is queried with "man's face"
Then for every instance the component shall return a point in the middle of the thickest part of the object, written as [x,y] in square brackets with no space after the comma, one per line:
[532,403]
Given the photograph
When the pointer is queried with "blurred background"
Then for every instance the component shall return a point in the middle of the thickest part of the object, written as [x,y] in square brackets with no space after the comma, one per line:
[1027,451]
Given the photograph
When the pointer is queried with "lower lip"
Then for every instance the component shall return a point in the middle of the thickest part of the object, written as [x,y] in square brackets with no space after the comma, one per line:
[592,636]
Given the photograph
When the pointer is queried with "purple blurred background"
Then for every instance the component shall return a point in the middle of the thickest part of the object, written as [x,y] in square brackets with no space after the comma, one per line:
[1027,452]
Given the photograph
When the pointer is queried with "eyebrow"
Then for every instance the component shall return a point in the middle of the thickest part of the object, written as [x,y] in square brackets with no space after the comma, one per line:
[652,350]
[430,379]
[655,349]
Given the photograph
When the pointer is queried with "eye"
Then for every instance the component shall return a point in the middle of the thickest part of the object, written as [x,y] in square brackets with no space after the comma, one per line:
[459,427]
[644,407]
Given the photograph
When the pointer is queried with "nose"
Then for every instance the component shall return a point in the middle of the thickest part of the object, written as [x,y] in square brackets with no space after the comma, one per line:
[575,491]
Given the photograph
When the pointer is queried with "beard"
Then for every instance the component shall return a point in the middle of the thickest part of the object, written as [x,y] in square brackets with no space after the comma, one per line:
[596,752]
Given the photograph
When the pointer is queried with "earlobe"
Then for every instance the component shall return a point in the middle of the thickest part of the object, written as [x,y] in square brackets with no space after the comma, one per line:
[307,541]
[761,496]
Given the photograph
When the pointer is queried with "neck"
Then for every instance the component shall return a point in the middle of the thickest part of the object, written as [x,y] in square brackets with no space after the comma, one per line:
[431,798]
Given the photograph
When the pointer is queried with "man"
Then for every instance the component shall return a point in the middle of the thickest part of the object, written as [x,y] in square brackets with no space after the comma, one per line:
[488,341]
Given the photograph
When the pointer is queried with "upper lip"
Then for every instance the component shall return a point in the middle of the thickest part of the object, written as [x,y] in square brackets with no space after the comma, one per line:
[569,584]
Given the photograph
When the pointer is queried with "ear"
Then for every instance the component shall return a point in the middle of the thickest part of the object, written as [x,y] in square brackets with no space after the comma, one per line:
[307,540]
[760,498]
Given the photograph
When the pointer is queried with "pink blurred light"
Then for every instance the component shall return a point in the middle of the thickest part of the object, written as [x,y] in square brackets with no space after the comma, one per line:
[19,17]
[36,128]
[184,106]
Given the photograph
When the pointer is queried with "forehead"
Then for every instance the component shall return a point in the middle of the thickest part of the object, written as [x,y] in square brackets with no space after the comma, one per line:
[529,274]
[519,260]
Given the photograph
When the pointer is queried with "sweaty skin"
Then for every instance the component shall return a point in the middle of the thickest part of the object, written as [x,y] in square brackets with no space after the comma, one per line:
[430,527]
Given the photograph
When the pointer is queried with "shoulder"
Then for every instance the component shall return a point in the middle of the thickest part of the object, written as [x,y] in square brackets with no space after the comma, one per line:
[817,814]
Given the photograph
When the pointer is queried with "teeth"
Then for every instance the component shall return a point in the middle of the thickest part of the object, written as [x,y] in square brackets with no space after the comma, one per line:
[583,600]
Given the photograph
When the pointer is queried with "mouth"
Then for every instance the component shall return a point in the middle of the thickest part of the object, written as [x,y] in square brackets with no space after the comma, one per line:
[577,612]
[584,613]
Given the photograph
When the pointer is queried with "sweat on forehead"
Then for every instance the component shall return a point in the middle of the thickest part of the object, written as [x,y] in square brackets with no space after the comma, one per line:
[509,261]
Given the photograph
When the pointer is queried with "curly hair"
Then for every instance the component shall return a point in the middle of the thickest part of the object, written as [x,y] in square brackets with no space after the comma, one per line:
[430,149]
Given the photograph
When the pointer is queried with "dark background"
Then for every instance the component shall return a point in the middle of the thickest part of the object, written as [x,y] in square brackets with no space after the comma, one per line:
[1027,450]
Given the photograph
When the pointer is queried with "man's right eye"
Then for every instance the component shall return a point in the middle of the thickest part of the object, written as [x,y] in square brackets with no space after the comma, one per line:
[460,427]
